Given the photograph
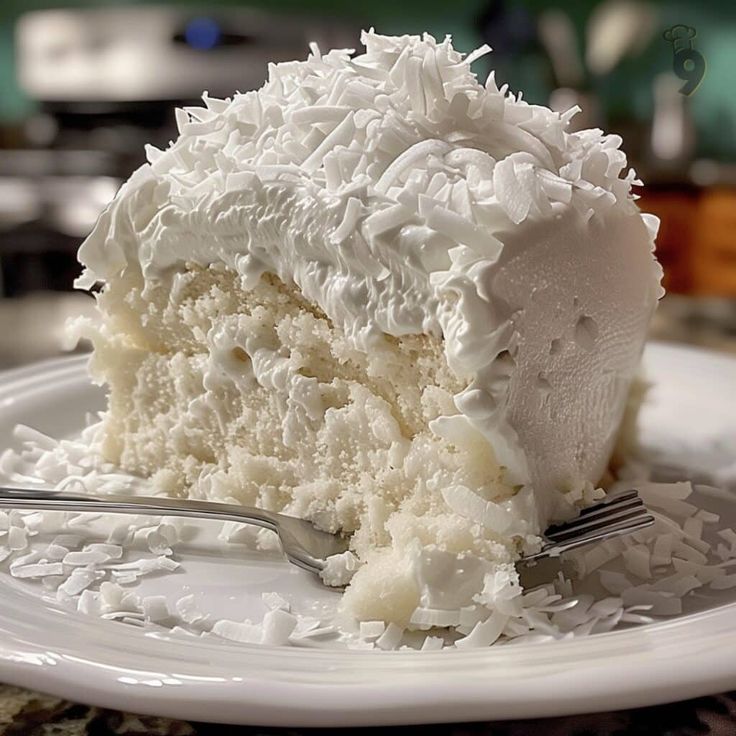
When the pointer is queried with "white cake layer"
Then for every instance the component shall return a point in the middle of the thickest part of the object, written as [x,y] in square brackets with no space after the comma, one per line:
[298,420]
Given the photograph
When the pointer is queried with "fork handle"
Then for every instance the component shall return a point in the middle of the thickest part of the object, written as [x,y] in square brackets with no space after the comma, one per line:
[36,499]
[555,549]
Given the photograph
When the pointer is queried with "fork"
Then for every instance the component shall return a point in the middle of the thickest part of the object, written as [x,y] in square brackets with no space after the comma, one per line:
[308,547]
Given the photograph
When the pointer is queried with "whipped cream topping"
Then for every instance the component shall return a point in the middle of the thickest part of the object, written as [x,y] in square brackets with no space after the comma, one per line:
[402,197]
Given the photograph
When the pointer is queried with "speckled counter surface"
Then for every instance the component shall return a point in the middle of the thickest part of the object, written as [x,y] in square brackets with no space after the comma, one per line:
[706,323]
[26,713]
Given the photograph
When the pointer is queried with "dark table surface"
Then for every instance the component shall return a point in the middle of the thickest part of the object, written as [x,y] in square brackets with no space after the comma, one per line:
[26,713]
[707,323]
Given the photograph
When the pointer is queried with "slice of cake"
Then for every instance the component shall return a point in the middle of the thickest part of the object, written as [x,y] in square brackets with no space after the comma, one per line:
[381,296]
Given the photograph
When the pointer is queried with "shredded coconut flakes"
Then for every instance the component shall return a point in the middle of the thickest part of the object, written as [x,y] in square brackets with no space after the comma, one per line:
[647,576]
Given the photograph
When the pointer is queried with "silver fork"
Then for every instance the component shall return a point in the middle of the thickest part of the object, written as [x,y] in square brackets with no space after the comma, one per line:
[308,547]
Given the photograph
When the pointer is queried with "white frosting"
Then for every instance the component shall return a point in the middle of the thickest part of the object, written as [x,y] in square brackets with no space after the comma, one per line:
[401,196]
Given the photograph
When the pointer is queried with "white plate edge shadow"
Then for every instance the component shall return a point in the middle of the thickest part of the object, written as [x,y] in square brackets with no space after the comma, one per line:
[98,662]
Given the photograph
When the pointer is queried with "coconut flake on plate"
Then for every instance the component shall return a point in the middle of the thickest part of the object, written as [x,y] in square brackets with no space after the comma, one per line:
[277,626]
[390,638]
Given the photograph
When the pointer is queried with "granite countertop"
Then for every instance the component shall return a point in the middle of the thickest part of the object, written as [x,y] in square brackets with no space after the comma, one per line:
[706,323]
[25,713]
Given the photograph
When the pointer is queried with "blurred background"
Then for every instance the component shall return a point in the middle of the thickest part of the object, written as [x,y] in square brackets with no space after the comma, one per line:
[84,85]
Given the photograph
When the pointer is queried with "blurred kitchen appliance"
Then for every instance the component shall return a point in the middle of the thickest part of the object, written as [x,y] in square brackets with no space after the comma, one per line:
[127,54]
[105,82]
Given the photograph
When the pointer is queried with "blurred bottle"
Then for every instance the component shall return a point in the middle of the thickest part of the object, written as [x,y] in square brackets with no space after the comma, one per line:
[557,35]
[672,135]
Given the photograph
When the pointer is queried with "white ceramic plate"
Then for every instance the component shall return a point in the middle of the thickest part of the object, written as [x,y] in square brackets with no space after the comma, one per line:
[689,420]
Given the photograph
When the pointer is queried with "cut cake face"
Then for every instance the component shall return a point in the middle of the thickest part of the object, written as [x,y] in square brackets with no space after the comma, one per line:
[381,296]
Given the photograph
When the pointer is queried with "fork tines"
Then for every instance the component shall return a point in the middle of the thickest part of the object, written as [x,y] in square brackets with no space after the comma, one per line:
[618,514]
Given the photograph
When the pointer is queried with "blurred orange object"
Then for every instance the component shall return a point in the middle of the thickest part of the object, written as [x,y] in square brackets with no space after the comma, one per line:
[677,210]
[697,239]
[713,253]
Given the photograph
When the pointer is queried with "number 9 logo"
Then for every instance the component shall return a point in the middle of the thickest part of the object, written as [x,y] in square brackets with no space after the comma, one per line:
[689,65]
